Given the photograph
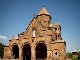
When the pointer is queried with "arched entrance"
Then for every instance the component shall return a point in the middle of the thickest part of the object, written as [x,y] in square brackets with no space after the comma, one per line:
[41,51]
[26,52]
[15,52]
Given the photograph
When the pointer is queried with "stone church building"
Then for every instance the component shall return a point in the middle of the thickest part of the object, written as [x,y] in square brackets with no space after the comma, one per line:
[41,41]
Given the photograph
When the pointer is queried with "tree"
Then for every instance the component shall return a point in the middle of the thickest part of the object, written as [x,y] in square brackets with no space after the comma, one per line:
[70,55]
[1,50]
[79,55]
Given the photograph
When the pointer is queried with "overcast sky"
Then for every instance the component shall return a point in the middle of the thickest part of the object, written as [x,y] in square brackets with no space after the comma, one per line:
[15,15]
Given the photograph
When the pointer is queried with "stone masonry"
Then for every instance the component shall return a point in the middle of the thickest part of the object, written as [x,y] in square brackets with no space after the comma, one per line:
[41,41]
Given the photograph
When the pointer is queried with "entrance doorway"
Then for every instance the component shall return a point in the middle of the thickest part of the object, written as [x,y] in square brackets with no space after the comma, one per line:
[41,51]
[26,52]
[15,52]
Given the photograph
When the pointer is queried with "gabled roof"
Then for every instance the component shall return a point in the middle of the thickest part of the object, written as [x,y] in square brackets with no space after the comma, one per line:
[43,11]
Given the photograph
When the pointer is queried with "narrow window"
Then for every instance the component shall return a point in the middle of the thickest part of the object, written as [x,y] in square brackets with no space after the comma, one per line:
[45,21]
[34,32]
[59,35]
[56,37]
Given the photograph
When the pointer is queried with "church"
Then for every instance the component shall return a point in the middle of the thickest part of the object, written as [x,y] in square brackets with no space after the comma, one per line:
[40,41]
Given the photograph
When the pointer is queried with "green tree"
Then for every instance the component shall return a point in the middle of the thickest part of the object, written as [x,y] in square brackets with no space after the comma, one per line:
[67,54]
[70,55]
[1,50]
[79,55]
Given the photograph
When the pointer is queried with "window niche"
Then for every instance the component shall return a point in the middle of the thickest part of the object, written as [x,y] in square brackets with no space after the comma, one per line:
[55,29]
[56,37]
[34,32]
[56,53]
[59,35]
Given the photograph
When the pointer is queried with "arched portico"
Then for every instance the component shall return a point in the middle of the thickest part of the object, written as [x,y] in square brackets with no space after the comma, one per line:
[26,52]
[15,50]
[41,51]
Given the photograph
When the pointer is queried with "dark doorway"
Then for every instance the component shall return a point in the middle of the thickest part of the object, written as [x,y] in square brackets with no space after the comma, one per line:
[41,51]
[26,52]
[15,52]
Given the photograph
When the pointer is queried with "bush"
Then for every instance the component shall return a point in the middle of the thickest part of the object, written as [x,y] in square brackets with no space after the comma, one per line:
[1,50]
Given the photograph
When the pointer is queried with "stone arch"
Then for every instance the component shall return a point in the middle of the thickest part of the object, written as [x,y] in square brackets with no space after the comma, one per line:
[41,50]
[56,54]
[40,42]
[26,51]
[26,43]
[15,50]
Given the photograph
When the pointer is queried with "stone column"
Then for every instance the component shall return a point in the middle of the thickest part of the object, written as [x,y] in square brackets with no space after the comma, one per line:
[49,55]
[20,54]
[33,56]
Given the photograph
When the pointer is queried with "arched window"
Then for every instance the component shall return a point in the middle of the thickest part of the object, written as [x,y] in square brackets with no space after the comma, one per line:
[34,32]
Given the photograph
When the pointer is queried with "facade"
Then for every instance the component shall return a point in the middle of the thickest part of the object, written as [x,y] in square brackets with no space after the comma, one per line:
[41,41]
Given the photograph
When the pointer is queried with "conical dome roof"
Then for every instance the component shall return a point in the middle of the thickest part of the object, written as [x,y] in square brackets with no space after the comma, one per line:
[43,11]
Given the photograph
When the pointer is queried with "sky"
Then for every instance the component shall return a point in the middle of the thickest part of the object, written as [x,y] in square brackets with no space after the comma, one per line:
[15,16]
